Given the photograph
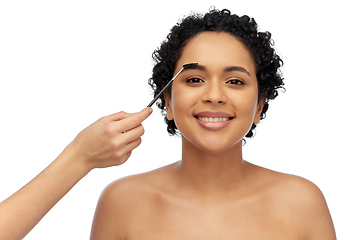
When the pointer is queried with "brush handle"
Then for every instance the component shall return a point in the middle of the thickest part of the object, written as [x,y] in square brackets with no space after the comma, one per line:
[186,66]
[166,86]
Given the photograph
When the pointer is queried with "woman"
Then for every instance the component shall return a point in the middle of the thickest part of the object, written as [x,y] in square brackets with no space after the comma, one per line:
[212,193]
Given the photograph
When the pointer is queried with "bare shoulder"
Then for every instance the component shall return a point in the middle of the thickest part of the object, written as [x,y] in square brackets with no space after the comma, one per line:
[145,184]
[299,201]
[308,205]
[124,199]
[134,189]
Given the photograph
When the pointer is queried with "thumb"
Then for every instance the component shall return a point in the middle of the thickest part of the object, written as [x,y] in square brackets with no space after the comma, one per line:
[134,120]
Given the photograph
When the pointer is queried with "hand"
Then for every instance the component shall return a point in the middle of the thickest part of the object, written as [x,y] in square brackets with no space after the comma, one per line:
[110,140]
[107,142]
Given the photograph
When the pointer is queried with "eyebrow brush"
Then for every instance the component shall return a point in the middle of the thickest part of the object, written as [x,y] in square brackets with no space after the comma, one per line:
[186,66]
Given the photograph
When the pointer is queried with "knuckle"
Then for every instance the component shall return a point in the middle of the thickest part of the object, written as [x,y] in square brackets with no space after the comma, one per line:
[102,119]
[117,155]
[120,154]
[122,113]
[123,159]
[128,155]
[136,143]
[108,130]
[141,130]
[113,145]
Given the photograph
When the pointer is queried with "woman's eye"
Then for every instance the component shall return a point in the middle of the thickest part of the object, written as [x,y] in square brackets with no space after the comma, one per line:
[235,82]
[194,80]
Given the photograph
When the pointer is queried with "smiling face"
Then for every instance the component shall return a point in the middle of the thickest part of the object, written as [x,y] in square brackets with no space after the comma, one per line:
[214,103]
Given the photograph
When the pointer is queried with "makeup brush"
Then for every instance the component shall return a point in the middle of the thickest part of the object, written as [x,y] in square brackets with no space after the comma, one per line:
[186,66]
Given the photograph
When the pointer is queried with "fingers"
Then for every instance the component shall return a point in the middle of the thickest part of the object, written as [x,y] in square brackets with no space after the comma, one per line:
[125,152]
[132,145]
[133,120]
[132,135]
[110,140]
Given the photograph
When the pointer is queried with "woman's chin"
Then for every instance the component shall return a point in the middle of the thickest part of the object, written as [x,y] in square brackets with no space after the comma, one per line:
[215,146]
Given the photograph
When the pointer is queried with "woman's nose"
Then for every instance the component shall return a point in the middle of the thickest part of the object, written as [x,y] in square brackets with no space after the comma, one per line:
[214,93]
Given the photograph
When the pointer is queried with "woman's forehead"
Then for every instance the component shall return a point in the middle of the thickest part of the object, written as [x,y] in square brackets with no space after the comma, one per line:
[217,49]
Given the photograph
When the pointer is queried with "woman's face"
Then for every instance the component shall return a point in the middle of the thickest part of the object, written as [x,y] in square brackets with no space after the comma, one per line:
[215,104]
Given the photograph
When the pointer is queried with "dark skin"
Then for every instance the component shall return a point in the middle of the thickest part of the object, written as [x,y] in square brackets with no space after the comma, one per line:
[212,193]
[272,206]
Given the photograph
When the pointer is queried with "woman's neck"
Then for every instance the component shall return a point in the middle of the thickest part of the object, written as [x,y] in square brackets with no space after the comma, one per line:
[211,173]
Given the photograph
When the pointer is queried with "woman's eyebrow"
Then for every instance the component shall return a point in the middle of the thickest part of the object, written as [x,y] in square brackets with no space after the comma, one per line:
[195,66]
[236,68]
[227,69]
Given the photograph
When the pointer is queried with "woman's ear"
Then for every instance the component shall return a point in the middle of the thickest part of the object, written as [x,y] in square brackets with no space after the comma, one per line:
[260,107]
[169,113]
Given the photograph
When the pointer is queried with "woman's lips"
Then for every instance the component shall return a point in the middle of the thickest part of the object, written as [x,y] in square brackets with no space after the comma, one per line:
[215,125]
[213,114]
[213,120]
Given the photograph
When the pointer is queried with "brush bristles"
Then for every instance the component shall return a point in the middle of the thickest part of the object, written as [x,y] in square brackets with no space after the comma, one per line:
[189,65]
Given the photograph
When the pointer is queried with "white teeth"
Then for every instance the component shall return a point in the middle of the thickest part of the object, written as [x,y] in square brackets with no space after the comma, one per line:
[210,119]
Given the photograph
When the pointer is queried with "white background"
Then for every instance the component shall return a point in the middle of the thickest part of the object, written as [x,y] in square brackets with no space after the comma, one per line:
[64,64]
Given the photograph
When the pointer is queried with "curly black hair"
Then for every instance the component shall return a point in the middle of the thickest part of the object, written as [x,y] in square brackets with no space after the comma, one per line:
[244,28]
